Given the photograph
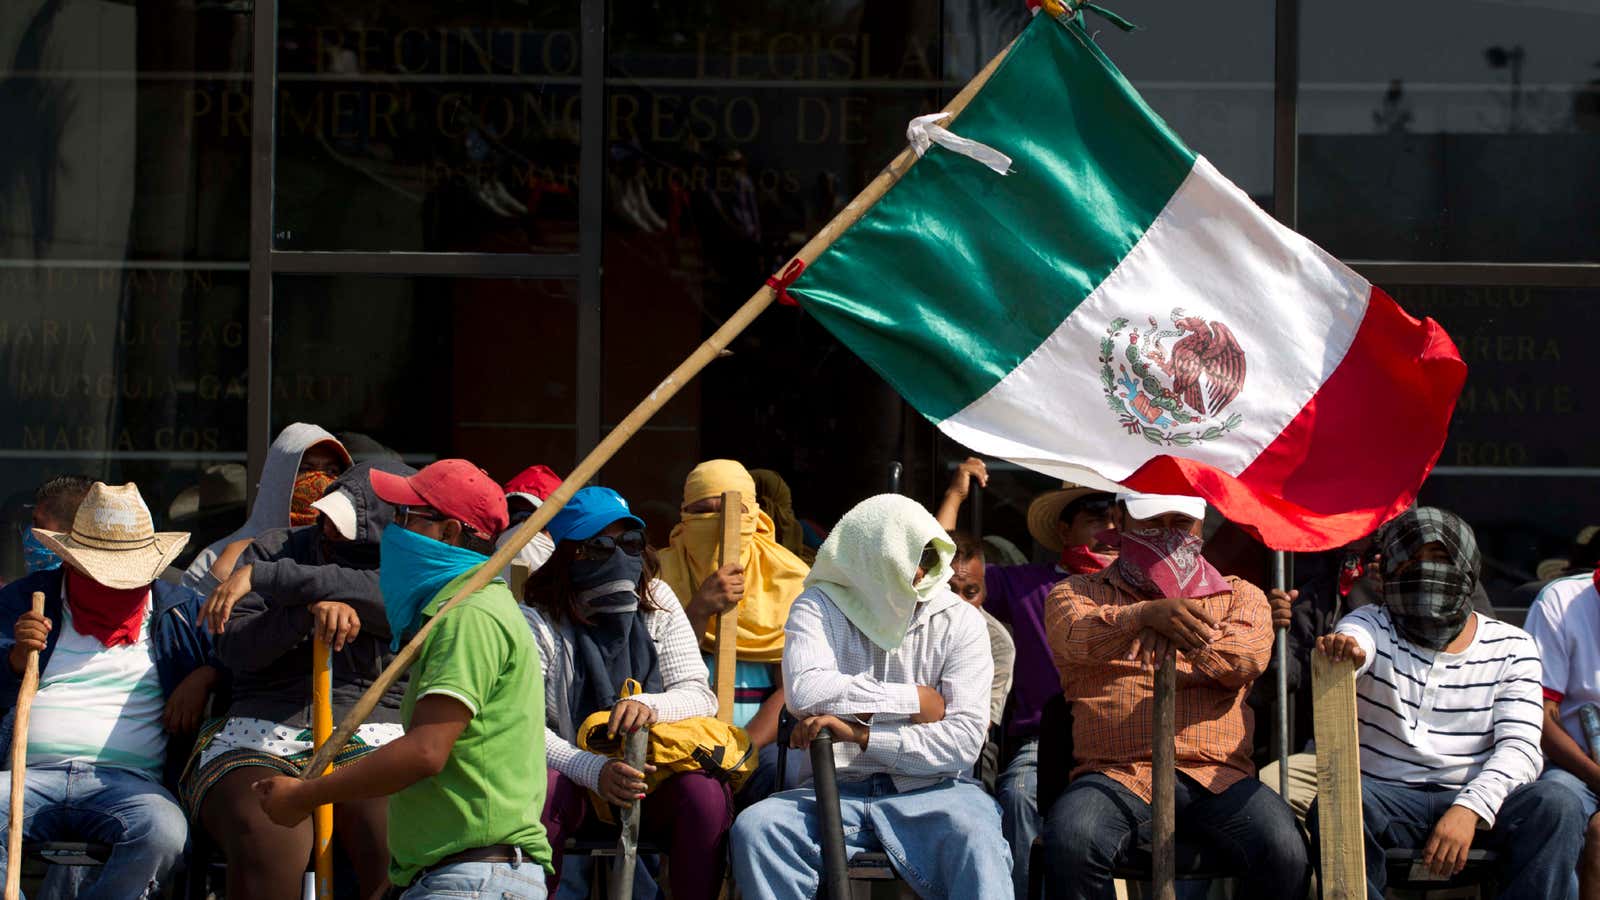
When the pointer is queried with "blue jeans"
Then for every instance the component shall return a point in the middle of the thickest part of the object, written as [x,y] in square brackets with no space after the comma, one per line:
[1538,833]
[943,840]
[1020,822]
[1586,798]
[1096,821]
[135,816]
[485,880]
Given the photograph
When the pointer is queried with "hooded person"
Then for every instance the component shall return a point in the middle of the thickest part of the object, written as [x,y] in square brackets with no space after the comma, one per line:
[525,493]
[122,665]
[302,461]
[1110,630]
[602,619]
[1452,717]
[773,493]
[291,587]
[764,583]
[465,781]
[1071,522]
[883,655]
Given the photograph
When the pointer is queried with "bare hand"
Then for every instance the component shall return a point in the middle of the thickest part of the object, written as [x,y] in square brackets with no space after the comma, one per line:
[629,716]
[720,592]
[961,481]
[282,799]
[219,606]
[1182,621]
[931,706]
[622,784]
[1445,854]
[808,729]
[1150,648]
[336,624]
[188,701]
[1281,602]
[31,632]
[1341,647]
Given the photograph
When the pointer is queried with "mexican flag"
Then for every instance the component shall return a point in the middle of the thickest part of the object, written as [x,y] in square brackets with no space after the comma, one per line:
[1115,310]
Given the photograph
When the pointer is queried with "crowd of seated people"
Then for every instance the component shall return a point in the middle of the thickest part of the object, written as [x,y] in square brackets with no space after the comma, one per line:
[172,720]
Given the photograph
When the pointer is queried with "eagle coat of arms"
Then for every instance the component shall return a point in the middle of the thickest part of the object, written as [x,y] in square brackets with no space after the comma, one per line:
[1177,396]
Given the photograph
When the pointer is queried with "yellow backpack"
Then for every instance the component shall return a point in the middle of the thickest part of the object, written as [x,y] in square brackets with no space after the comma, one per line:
[703,743]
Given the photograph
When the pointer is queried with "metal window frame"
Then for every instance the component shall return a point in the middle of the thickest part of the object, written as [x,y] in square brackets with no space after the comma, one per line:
[266,262]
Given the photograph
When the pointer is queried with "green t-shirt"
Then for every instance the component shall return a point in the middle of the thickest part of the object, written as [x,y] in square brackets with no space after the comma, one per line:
[493,786]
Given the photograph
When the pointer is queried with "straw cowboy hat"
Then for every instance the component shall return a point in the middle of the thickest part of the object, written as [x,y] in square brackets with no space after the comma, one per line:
[113,539]
[1045,511]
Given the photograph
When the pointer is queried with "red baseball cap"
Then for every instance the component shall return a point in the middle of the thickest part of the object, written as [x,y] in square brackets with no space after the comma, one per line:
[454,487]
[534,484]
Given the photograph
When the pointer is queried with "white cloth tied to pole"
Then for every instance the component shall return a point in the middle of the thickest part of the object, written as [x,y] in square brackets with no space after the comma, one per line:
[924,132]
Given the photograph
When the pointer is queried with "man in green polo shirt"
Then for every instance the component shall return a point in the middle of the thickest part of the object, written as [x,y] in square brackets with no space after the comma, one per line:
[467,781]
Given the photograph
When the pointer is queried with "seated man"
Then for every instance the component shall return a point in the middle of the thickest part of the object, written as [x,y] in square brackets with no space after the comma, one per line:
[966,579]
[882,654]
[1449,703]
[1108,631]
[1565,624]
[122,662]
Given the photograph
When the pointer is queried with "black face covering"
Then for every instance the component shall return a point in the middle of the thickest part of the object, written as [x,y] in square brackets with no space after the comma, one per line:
[614,645]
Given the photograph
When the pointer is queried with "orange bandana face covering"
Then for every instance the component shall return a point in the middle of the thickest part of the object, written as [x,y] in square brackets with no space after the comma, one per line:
[308,489]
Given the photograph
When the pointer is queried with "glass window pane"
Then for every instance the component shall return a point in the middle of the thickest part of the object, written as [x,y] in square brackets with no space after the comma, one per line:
[417,127]
[431,368]
[1524,445]
[1480,143]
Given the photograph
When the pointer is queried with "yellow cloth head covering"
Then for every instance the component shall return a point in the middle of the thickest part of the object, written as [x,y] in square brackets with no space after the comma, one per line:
[773,576]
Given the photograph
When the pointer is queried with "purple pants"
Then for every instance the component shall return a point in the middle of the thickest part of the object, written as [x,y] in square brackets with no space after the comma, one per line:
[689,815]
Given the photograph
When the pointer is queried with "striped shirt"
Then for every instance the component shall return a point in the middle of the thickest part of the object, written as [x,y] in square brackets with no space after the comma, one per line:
[99,705]
[1091,625]
[753,684]
[1470,720]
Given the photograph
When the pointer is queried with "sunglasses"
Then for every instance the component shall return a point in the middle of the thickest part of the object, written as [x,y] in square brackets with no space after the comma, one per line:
[601,545]
[405,514]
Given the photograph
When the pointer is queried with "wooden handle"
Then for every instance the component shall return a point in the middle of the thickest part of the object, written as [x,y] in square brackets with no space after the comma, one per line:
[728,622]
[321,730]
[629,426]
[19,763]
[1163,758]
[1333,690]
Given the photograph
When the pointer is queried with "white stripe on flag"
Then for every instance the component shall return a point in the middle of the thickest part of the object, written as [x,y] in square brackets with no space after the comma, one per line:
[1214,254]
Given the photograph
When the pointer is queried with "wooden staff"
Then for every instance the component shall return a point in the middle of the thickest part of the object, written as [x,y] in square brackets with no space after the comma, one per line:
[1163,759]
[625,430]
[728,622]
[321,730]
[19,763]
[635,746]
[1333,689]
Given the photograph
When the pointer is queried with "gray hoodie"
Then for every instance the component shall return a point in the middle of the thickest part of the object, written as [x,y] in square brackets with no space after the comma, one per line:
[274,493]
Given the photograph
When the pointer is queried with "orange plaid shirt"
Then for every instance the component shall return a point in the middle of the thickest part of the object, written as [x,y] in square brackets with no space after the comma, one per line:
[1091,628]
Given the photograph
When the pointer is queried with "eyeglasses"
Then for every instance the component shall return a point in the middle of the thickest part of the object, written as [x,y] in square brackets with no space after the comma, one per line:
[601,545]
[405,514]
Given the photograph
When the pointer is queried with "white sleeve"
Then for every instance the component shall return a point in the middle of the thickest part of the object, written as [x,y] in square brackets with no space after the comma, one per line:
[812,682]
[1518,722]
[1359,625]
[685,686]
[1544,626]
[951,745]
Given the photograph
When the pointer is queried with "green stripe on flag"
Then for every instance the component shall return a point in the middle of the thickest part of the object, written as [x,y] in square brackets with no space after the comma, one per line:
[959,273]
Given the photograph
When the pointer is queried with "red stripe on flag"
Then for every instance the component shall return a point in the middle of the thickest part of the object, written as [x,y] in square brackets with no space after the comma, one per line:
[1362,445]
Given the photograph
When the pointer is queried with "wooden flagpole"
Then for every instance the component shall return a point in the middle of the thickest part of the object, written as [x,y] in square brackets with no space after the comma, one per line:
[625,430]
[728,621]
[19,763]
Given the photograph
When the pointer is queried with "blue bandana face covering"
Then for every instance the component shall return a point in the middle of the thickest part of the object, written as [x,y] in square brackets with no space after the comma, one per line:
[412,569]
[36,556]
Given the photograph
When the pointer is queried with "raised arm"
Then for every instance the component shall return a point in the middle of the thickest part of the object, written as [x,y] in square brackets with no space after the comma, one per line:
[811,675]
[956,494]
[1241,642]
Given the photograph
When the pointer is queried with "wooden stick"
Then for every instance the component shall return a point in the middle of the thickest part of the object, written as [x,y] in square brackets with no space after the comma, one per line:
[1163,758]
[1333,690]
[321,730]
[634,748]
[625,430]
[19,763]
[728,622]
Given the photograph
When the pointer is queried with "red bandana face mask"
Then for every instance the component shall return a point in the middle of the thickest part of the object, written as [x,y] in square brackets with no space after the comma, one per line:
[1165,562]
[1080,560]
[111,616]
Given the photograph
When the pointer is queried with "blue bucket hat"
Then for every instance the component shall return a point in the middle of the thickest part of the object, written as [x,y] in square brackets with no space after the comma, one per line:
[588,513]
